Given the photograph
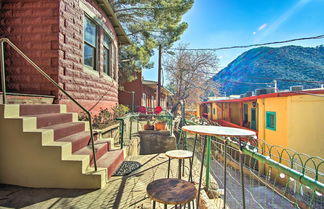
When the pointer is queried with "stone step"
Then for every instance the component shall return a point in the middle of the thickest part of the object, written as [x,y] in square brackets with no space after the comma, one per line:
[51,119]
[112,161]
[66,129]
[101,148]
[37,109]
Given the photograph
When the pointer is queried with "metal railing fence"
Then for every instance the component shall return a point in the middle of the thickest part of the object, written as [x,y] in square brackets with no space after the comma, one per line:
[250,173]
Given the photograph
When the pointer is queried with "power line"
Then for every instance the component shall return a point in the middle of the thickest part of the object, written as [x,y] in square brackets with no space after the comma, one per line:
[252,45]
[289,80]
[249,83]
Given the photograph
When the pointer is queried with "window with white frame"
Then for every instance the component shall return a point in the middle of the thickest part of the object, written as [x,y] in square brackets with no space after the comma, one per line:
[144,100]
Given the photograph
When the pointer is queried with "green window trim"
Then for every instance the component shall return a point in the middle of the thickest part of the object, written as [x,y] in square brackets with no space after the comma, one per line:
[271,120]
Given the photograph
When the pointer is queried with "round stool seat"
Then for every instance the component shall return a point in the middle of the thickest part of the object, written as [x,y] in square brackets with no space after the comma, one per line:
[171,191]
[179,154]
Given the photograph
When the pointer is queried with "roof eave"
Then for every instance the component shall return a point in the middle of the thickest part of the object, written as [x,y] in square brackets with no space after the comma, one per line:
[121,34]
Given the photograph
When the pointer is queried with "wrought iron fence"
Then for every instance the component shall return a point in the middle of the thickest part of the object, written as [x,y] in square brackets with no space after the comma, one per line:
[272,176]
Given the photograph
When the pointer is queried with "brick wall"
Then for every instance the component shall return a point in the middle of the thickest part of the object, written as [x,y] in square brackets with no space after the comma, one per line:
[33,26]
[93,89]
[125,97]
[50,32]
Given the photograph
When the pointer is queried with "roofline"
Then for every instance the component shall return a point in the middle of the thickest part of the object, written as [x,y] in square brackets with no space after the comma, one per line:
[154,82]
[121,34]
[278,94]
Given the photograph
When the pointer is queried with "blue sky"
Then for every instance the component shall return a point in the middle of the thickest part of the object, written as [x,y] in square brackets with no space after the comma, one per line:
[218,23]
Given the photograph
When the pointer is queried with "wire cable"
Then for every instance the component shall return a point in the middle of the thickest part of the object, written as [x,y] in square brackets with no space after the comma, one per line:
[253,45]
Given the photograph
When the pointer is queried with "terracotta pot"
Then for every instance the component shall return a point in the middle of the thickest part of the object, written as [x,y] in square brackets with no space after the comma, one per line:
[148,127]
[160,126]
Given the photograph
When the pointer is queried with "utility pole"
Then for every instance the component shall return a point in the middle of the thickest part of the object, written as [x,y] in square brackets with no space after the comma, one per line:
[275,85]
[133,102]
[159,77]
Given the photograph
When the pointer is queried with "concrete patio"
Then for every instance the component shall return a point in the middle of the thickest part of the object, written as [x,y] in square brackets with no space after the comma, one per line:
[122,191]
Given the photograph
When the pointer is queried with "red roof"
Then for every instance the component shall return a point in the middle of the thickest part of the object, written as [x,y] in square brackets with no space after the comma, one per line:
[278,94]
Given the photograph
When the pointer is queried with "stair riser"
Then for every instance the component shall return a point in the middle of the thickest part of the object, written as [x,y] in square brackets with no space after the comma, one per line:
[100,152]
[115,165]
[38,109]
[67,131]
[53,120]
[79,144]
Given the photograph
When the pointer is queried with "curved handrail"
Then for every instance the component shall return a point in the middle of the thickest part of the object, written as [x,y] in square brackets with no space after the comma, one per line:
[6,40]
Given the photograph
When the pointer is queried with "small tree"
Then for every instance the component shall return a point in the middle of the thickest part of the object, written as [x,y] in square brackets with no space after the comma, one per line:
[148,23]
[189,75]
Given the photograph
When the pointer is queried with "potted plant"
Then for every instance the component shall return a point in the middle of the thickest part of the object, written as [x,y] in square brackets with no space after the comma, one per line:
[148,126]
[160,124]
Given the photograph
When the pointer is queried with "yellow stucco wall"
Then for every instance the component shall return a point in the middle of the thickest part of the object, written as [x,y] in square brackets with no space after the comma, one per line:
[306,124]
[235,113]
[30,157]
[214,111]
[209,111]
[278,105]
[198,110]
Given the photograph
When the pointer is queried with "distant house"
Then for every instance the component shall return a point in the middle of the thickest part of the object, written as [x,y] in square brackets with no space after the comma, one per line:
[287,119]
[75,42]
[145,94]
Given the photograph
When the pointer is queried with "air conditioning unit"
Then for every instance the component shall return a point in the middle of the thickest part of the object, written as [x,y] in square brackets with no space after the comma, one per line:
[296,88]
[249,94]
[264,91]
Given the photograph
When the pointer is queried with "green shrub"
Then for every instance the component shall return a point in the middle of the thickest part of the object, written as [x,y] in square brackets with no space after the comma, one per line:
[119,111]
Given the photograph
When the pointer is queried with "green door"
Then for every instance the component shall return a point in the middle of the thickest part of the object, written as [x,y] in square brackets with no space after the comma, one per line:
[253,118]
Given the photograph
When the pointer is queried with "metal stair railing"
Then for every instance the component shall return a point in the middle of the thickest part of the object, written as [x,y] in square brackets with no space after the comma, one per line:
[2,57]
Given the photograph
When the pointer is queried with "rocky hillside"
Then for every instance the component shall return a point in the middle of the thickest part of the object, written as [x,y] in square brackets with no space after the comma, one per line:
[264,64]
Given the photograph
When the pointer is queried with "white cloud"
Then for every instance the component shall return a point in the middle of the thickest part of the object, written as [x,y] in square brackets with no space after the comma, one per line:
[254,33]
[281,19]
[263,26]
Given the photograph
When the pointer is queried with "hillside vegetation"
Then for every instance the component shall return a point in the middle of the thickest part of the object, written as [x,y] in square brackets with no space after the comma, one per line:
[264,64]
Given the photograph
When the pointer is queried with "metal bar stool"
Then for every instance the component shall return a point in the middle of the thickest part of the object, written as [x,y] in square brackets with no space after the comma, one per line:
[181,155]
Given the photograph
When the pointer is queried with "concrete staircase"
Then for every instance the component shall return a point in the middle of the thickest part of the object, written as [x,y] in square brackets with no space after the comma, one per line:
[44,146]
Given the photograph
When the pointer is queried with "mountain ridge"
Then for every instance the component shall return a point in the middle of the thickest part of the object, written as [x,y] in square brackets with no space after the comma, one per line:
[265,64]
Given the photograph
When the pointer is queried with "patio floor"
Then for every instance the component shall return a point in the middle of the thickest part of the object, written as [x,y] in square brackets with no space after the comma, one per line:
[121,192]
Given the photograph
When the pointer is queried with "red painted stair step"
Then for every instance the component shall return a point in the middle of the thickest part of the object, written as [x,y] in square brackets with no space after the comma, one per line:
[78,140]
[112,161]
[66,129]
[37,109]
[50,119]
[101,147]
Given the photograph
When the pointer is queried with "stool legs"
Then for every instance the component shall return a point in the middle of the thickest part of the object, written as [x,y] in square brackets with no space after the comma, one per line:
[179,174]
[201,170]
[183,166]
[169,167]
[192,159]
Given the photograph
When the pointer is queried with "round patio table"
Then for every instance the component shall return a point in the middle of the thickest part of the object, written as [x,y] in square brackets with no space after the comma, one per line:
[218,131]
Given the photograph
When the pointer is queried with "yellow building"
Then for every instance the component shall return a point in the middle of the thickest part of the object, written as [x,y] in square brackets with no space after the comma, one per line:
[287,119]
